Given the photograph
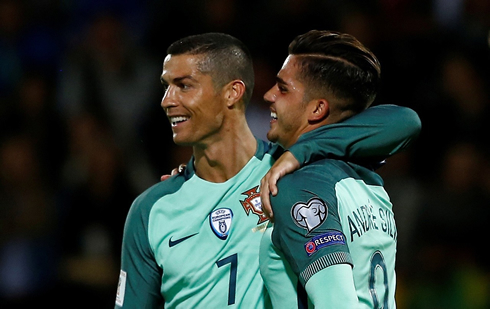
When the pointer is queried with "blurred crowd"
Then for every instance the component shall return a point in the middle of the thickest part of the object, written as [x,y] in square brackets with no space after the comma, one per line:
[82,131]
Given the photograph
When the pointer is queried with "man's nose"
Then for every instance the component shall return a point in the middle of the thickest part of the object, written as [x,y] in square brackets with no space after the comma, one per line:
[269,96]
[168,98]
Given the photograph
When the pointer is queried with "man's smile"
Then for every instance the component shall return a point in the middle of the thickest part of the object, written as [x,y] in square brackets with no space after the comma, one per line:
[175,120]
[273,116]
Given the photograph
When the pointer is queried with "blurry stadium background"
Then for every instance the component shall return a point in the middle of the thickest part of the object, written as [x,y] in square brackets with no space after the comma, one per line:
[82,132]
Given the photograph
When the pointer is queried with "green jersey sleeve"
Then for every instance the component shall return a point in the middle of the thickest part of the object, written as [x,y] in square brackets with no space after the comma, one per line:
[306,222]
[369,137]
[332,288]
[332,213]
[140,276]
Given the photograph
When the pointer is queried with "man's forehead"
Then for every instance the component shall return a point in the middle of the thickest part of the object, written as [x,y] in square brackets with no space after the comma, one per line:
[289,62]
[182,60]
[289,70]
[167,59]
[177,65]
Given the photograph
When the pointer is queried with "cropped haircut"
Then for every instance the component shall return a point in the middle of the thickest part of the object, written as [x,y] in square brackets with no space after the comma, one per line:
[337,64]
[225,58]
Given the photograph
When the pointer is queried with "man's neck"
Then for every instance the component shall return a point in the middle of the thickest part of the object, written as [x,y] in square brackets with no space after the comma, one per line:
[223,158]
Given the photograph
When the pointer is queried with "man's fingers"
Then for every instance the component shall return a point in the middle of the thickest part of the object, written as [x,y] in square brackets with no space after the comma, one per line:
[266,206]
[273,183]
[274,175]
[175,171]
[287,163]
[264,196]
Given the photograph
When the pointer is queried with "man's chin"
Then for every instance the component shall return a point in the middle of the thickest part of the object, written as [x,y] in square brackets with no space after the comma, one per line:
[271,137]
[181,141]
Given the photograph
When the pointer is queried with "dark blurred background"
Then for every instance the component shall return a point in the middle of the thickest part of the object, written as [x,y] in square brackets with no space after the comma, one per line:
[83,133]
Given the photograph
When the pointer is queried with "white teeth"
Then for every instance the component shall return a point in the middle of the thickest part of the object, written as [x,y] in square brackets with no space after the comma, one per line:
[175,120]
[273,115]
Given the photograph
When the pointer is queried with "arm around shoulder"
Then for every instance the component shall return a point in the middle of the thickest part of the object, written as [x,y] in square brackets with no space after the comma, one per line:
[373,135]
[400,125]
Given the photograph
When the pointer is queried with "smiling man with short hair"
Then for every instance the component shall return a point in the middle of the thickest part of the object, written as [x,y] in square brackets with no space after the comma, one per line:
[334,234]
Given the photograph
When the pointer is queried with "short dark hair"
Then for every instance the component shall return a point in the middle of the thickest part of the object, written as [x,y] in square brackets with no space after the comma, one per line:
[337,64]
[225,58]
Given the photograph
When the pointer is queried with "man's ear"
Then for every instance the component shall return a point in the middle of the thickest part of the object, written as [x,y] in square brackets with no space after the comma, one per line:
[319,110]
[234,92]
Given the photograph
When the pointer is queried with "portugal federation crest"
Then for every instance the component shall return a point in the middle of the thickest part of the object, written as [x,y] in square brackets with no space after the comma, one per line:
[220,221]
[252,203]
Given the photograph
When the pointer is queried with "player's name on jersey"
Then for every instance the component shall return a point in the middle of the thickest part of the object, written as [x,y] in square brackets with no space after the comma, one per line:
[365,218]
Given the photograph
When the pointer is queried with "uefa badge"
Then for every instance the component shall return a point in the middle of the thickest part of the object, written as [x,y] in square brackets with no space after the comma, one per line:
[309,215]
[220,221]
[310,248]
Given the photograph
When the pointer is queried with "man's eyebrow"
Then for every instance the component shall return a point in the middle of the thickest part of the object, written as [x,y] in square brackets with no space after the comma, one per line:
[177,79]
[280,81]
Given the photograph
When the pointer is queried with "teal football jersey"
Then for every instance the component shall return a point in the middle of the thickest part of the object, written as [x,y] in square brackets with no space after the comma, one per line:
[199,240]
[189,243]
[328,213]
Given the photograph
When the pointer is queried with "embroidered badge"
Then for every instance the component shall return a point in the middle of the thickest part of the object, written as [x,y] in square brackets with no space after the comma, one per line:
[324,240]
[220,221]
[310,215]
[253,203]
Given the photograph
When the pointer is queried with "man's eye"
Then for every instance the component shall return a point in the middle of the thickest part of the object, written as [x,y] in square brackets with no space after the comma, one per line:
[282,89]
[184,86]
